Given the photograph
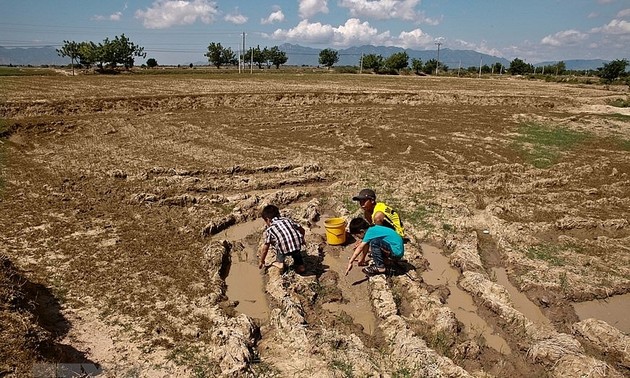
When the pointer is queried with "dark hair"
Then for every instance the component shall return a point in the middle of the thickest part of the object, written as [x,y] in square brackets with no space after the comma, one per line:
[357,225]
[270,212]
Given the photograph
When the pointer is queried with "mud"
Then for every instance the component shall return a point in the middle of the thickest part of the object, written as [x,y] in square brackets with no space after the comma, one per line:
[612,310]
[135,202]
[440,272]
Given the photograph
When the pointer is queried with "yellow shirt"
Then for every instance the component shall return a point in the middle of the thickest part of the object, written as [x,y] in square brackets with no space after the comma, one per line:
[391,220]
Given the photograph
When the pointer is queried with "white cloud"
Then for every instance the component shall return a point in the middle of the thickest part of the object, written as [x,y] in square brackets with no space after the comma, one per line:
[356,32]
[624,13]
[353,32]
[387,9]
[481,47]
[112,17]
[415,39]
[563,38]
[617,27]
[274,17]
[235,17]
[309,8]
[306,32]
[166,13]
[593,15]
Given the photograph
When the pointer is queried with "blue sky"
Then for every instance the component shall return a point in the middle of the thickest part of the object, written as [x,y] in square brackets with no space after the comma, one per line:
[179,31]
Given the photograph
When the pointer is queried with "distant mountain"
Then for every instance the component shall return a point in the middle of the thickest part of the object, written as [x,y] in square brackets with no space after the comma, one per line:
[301,55]
[577,64]
[35,56]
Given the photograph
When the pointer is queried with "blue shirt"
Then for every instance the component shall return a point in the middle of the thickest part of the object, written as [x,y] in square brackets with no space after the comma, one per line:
[387,234]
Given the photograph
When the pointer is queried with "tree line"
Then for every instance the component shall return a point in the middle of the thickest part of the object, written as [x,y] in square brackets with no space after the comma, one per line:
[108,54]
[221,56]
[120,51]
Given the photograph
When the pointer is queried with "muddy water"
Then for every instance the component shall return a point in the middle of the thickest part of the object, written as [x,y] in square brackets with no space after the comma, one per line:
[440,272]
[353,286]
[520,300]
[613,310]
[245,281]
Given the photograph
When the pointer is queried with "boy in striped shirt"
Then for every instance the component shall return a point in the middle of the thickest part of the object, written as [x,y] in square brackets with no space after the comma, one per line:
[285,235]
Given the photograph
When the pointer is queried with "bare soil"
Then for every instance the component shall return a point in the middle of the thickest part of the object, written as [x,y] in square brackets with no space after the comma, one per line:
[115,191]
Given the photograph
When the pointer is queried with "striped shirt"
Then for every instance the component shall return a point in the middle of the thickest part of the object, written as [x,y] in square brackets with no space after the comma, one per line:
[284,235]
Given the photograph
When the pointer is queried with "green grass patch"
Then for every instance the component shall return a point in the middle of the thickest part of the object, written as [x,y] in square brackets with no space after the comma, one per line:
[420,215]
[542,145]
[620,102]
[195,358]
[548,253]
[343,367]
[4,127]
[619,117]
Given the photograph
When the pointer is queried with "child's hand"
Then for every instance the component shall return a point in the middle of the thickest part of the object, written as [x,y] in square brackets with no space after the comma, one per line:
[261,264]
[349,268]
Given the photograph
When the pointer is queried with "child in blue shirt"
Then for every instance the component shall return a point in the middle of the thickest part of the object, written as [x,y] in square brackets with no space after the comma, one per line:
[384,243]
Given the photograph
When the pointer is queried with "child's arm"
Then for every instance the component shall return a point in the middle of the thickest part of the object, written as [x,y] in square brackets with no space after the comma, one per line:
[356,253]
[263,255]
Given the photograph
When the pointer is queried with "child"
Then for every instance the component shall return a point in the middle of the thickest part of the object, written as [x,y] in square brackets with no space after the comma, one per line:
[378,212]
[383,241]
[286,236]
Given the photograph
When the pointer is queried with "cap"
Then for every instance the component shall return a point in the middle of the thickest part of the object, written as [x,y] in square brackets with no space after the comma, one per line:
[365,194]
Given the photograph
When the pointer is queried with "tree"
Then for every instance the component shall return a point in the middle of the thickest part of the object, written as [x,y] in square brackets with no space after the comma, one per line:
[88,54]
[612,70]
[71,50]
[416,65]
[397,61]
[219,55]
[519,67]
[430,66]
[561,67]
[256,55]
[373,62]
[151,63]
[125,51]
[276,56]
[498,68]
[328,57]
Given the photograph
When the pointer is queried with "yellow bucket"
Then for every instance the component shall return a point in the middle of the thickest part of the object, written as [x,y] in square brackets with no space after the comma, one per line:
[335,231]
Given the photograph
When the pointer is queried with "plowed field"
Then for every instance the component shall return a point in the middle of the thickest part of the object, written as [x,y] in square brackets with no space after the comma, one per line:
[117,193]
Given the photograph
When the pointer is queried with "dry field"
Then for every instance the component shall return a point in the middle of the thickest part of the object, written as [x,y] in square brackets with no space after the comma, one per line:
[129,219]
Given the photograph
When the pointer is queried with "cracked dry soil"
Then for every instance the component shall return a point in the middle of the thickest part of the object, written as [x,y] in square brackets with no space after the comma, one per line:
[115,191]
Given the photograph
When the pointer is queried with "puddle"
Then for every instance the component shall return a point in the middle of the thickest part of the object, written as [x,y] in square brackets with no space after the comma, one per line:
[355,290]
[353,286]
[240,231]
[520,300]
[613,310]
[245,281]
[245,285]
[440,272]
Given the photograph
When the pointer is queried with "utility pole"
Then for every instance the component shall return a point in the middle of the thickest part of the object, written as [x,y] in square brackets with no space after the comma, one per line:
[243,60]
[361,65]
[480,62]
[437,67]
